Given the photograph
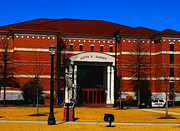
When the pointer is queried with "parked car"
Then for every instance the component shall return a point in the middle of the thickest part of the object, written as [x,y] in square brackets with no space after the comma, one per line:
[145,104]
[158,103]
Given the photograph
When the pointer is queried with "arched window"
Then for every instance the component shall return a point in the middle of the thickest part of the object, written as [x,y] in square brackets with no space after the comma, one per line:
[171,46]
[92,47]
[80,47]
[71,47]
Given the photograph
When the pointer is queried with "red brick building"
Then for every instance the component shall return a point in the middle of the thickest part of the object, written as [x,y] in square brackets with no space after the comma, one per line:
[88,50]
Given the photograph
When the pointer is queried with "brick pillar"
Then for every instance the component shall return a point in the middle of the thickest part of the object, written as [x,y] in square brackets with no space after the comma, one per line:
[68,112]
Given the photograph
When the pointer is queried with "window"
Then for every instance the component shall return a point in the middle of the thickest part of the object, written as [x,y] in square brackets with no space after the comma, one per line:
[171,87]
[171,46]
[171,58]
[81,47]
[171,72]
[155,100]
[92,48]
[111,48]
[101,48]
[71,47]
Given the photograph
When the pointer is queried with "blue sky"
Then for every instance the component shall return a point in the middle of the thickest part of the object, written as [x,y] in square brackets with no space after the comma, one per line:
[154,14]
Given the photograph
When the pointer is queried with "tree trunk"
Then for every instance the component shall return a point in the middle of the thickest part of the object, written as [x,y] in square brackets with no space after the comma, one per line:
[138,96]
[5,74]
[166,104]
[37,101]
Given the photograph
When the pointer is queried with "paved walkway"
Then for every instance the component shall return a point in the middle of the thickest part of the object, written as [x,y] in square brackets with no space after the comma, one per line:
[158,111]
[96,123]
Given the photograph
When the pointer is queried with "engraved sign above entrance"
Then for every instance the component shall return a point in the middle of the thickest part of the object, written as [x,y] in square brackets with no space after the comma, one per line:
[92,57]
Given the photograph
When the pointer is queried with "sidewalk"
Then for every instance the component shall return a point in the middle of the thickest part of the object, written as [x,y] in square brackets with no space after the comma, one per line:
[159,111]
[94,123]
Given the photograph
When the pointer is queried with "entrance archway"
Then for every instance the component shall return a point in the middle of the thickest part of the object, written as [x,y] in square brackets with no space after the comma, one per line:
[90,78]
[91,84]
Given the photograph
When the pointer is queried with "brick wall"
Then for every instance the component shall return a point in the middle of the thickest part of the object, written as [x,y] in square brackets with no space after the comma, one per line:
[29,48]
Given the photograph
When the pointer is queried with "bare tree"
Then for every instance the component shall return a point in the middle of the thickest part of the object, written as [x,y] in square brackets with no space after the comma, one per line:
[36,68]
[175,87]
[162,73]
[137,66]
[60,48]
[64,51]
[7,66]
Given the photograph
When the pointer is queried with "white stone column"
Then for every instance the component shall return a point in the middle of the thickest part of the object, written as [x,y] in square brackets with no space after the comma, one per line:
[70,83]
[112,85]
[108,84]
[66,89]
[75,83]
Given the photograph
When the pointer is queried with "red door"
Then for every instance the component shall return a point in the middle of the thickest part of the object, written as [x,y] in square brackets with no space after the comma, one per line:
[94,96]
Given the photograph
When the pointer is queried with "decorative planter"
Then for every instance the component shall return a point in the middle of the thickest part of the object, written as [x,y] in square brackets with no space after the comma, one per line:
[47,102]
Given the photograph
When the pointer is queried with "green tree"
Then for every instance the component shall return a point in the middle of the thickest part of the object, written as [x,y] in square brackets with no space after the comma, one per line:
[31,89]
[145,92]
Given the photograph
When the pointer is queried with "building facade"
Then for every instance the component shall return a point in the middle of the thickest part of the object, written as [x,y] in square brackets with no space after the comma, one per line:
[85,58]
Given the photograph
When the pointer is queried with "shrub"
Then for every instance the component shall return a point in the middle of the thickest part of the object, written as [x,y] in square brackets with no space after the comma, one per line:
[47,96]
[29,90]
[13,102]
[177,103]
[129,98]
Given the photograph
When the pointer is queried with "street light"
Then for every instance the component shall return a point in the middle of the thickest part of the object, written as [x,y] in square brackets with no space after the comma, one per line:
[51,119]
[115,37]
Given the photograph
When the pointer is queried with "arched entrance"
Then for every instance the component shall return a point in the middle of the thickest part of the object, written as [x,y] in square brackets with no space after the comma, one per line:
[90,79]
[91,84]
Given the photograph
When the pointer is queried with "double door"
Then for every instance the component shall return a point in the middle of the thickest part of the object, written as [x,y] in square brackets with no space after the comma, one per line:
[94,96]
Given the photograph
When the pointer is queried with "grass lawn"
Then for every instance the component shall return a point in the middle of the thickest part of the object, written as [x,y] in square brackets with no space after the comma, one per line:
[86,114]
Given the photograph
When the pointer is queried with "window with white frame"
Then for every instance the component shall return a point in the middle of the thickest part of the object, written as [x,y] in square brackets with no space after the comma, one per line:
[71,47]
[111,48]
[80,47]
[92,48]
[171,56]
[101,48]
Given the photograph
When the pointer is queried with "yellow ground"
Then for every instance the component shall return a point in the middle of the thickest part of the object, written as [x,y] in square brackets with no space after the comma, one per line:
[84,114]
[78,127]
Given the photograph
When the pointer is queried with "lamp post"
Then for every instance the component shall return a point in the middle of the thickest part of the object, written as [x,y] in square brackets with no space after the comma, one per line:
[115,37]
[51,119]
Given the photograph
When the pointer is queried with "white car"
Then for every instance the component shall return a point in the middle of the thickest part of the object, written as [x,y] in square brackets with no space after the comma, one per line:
[158,103]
